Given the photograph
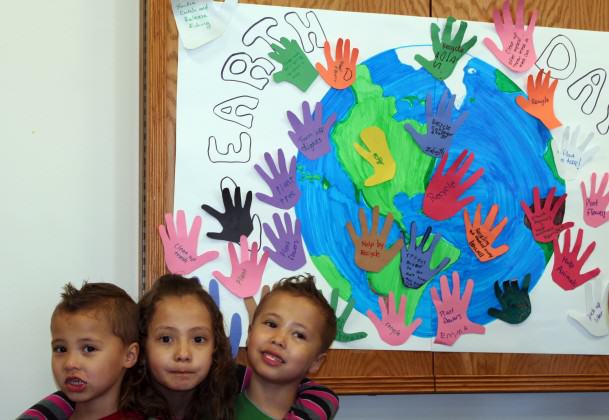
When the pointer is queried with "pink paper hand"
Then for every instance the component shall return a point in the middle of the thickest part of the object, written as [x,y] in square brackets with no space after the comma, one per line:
[392,326]
[180,247]
[518,50]
[595,205]
[246,276]
[452,311]
[566,271]
[442,194]
[542,218]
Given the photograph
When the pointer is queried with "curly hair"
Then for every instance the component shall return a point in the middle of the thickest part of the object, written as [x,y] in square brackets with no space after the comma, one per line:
[214,397]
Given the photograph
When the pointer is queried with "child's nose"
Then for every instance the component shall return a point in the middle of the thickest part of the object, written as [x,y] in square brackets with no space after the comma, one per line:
[183,353]
[72,361]
[279,338]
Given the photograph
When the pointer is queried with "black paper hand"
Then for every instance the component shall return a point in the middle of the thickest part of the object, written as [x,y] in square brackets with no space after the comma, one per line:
[236,219]
[515,302]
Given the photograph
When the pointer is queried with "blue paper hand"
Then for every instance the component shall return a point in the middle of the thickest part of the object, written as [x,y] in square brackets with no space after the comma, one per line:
[415,262]
[440,127]
[289,251]
[235,322]
[282,182]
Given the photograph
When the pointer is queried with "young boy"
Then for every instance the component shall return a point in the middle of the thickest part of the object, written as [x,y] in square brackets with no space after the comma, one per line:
[94,341]
[291,330]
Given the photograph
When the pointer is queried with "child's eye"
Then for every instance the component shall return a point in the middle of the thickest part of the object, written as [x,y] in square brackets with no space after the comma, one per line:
[200,340]
[59,349]
[300,336]
[271,324]
[87,348]
[165,339]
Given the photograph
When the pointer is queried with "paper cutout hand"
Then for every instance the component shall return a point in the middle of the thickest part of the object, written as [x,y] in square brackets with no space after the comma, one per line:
[595,319]
[341,335]
[377,154]
[311,136]
[440,127]
[540,102]
[415,264]
[515,302]
[566,271]
[236,219]
[289,251]
[246,275]
[595,205]
[180,247]
[446,52]
[441,199]
[480,237]
[340,73]
[281,181]
[542,222]
[297,69]
[251,305]
[452,311]
[572,155]
[518,50]
[370,252]
[392,326]
[235,322]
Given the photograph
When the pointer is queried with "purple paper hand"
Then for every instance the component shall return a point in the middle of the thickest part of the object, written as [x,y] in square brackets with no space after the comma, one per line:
[311,136]
[282,182]
[415,265]
[246,275]
[289,251]
[441,200]
[595,206]
[181,247]
[452,311]
[440,127]
[392,326]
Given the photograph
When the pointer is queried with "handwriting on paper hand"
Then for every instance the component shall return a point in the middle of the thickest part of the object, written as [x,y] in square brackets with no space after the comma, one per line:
[566,271]
[236,219]
[540,102]
[542,218]
[297,69]
[441,199]
[392,326]
[447,51]
[281,181]
[341,335]
[514,300]
[235,324]
[440,127]
[311,136]
[289,250]
[370,252]
[340,73]
[452,311]
[480,236]
[180,246]
[246,275]
[415,263]
[595,205]
[377,154]
[518,52]
[572,154]
[594,319]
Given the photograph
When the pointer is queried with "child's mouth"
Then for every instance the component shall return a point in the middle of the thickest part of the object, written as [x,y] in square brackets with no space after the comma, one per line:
[272,359]
[75,384]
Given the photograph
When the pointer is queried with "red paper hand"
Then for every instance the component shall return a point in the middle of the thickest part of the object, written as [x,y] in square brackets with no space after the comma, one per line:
[542,222]
[392,326]
[480,237]
[566,271]
[340,73]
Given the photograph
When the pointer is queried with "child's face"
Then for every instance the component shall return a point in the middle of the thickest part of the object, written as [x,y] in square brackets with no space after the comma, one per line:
[88,360]
[284,340]
[180,343]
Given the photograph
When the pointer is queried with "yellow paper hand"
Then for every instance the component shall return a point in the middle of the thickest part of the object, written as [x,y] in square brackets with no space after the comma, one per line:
[377,154]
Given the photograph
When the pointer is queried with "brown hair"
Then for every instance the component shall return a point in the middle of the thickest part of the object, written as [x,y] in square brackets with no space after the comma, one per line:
[214,397]
[304,286]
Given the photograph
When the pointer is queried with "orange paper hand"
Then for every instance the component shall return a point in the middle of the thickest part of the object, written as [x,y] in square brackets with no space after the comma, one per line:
[377,154]
[540,103]
[340,73]
[480,237]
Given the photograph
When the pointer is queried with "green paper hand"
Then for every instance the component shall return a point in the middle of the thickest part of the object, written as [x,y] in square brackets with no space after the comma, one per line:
[297,69]
[341,320]
[446,52]
[515,302]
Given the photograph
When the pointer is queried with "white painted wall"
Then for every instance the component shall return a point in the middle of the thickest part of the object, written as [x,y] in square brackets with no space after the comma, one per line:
[69,200]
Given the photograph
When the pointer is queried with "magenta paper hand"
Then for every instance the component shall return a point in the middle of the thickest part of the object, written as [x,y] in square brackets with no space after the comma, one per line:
[518,50]
[289,251]
[442,194]
[541,218]
[246,275]
[311,136]
[281,181]
[595,205]
[566,271]
[452,311]
[392,326]
[180,246]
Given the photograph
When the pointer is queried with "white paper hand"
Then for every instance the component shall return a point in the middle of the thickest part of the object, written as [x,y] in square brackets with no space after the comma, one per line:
[595,319]
[571,154]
